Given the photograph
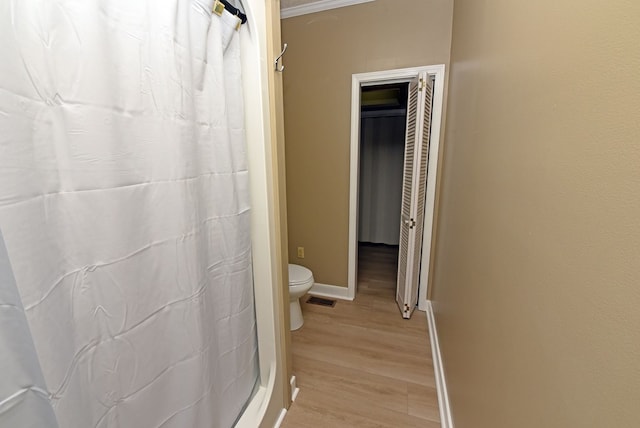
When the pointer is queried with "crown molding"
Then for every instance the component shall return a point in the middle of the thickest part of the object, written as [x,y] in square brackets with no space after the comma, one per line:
[317,6]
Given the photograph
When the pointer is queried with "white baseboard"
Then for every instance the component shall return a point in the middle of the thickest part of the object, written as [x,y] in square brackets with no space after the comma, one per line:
[294,388]
[441,384]
[283,413]
[294,393]
[331,291]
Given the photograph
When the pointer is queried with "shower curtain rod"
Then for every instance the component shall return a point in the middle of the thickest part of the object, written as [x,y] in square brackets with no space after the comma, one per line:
[220,5]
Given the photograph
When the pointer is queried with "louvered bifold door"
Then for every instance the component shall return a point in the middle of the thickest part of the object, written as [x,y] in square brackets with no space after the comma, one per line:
[405,254]
[414,193]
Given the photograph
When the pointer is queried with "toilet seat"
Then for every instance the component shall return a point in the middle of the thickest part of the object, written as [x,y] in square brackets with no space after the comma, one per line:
[299,275]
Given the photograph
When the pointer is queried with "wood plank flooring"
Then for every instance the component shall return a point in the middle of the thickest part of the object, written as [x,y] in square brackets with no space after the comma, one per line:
[359,364]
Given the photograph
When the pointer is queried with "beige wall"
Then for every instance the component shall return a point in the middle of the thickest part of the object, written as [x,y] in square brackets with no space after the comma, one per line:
[537,273]
[325,49]
[279,196]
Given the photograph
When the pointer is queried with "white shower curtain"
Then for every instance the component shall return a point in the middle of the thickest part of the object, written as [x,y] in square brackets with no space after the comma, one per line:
[124,208]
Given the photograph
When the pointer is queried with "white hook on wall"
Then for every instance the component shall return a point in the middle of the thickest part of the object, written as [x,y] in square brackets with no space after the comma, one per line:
[279,57]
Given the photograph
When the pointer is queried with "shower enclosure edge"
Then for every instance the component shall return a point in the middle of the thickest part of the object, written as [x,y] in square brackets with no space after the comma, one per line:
[271,398]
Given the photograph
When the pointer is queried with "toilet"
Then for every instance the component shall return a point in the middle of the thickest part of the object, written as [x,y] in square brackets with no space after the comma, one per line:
[300,281]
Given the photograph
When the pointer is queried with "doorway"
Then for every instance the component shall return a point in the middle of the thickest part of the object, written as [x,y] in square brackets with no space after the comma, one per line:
[385,83]
[383,119]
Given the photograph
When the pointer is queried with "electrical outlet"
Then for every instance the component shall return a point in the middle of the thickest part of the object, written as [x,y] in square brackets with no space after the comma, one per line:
[301,252]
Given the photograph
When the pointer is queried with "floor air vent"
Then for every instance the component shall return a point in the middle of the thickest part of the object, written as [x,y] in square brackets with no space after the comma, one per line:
[320,301]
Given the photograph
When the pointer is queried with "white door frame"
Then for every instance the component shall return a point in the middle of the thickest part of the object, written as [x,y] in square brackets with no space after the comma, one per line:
[382,78]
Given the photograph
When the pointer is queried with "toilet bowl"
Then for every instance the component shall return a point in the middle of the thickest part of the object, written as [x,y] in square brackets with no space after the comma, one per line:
[300,281]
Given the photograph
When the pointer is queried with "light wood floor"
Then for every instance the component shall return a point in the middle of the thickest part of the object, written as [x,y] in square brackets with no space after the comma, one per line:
[359,364]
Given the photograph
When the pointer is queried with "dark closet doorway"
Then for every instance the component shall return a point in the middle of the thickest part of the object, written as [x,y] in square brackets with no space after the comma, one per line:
[383,117]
